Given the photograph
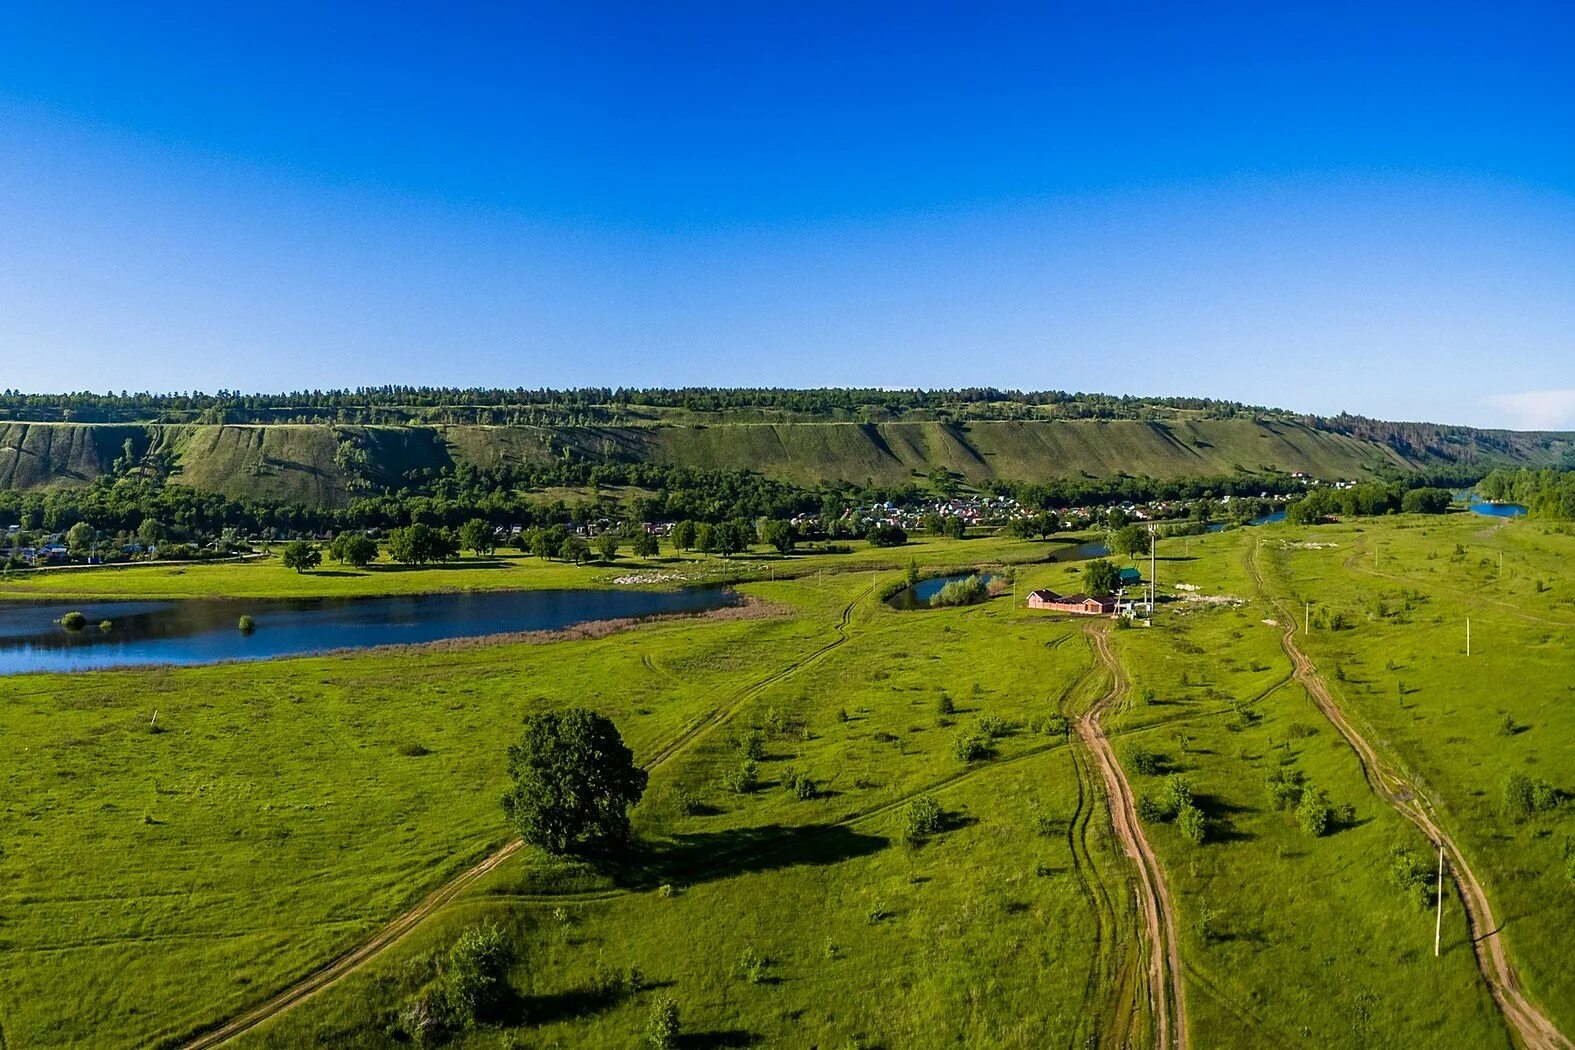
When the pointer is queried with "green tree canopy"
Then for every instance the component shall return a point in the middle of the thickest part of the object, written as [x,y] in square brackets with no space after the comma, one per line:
[80,537]
[574,780]
[1101,577]
[1127,541]
[300,555]
[477,536]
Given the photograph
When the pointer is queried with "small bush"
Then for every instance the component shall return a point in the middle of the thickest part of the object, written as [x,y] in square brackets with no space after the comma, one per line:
[968,591]
[246,624]
[994,728]
[752,965]
[743,778]
[1177,793]
[1285,787]
[924,818]
[1313,813]
[105,625]
[971,746]
[753,746]
[1412,878]
[1191,822]
[1148,763]
[944,705]
[1149,811]
[73,621]
[661,1026]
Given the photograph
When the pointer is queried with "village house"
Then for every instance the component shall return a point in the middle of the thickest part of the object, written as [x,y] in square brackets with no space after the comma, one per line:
[1077,604]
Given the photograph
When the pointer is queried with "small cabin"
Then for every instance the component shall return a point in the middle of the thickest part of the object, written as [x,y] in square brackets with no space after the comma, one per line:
[1076,604]
[1131,577]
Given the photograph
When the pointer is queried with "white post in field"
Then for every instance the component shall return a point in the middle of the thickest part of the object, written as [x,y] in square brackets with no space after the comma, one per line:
[1468,636]
[1438,923]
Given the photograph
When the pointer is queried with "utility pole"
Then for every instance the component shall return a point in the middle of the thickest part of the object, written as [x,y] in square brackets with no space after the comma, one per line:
[1468,636]
[1151,581]
[1438,923]
[1306,617]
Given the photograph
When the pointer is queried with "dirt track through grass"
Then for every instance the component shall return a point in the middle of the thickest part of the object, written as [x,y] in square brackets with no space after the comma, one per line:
[1164,986]
[1534,1029]
[395,931]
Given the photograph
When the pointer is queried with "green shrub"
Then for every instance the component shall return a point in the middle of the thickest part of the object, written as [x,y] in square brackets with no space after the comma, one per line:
[971,746]
[743,778]
[752,965]
[661,1026]
[1146,762]
[1313,814]
[469,987]
[944,704]
[73,621]
[1285,787]
[1412,878]
[993,727]
[969,591]
[1177,793]
[1149,811]
[924,818]
[246,624]
[1191,822]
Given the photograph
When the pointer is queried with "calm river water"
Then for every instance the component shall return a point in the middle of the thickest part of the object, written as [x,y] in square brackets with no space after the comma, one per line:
[198,631]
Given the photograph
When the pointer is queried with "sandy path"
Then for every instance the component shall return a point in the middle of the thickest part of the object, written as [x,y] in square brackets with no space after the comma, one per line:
[1533,1028]
[1159,914]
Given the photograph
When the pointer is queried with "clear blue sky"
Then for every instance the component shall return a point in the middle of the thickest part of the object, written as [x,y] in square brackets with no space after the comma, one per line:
[1367,207]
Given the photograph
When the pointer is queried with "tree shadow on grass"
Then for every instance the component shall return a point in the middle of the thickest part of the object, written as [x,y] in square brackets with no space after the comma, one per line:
[1221,815]
[692,858]
[718,1038]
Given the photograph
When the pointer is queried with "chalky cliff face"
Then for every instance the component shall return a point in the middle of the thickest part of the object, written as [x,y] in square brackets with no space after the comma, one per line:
[327,465]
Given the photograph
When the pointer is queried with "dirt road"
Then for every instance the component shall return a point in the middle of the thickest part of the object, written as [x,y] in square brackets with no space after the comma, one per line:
[1154,903]
[395,931]
[1533,1028]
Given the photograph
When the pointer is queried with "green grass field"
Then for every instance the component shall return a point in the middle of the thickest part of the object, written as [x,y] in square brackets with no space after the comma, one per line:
[154,882]
[1458,724]
[506,570]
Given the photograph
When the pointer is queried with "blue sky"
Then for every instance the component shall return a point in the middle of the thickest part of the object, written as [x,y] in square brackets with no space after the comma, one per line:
[1332,207]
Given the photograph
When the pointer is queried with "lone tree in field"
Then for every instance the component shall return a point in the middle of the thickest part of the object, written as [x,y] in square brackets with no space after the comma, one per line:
[300,556]
[1127,541]
[476,536]
[645,544]
[574,781]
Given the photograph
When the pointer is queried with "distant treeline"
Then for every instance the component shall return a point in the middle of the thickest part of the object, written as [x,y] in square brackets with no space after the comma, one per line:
[1545,493]
[594,405]
[516,494]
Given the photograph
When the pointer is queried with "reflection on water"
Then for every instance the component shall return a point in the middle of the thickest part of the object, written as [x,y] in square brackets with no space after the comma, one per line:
[197,631]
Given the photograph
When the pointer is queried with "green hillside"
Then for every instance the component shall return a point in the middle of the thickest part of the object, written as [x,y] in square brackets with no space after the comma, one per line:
[326,464]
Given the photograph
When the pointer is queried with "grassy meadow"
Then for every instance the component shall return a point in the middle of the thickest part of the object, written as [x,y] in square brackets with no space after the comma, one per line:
[1460,725]
[506,569]
[157,877]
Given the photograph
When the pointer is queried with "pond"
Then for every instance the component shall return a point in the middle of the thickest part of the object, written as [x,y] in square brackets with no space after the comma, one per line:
[918,596]
[1262,519]
[1478,505]
[199,631]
